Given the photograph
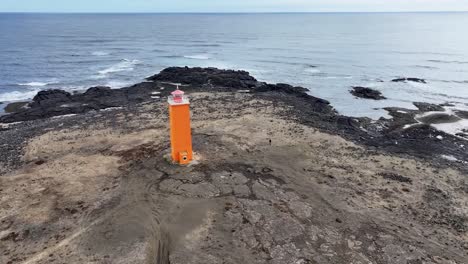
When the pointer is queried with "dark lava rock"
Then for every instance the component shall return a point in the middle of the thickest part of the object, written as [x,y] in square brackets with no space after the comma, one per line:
[427,107]
[367,93]
[104,97]
[98,91]
[51,97]
[234,80]
[462,114]
[200,76]
[280,87]
[51,103]
[418,80]
[296,96]
[15,107]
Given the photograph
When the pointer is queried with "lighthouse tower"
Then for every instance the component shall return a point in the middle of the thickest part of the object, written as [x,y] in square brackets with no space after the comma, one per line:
[181,134]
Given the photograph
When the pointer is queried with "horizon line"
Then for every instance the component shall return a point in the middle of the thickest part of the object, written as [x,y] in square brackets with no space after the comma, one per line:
[224,12]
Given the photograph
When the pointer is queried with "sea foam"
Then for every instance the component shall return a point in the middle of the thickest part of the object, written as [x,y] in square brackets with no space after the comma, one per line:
[452,128]
[34,84]
[100,53]
[312,70]
[18,95]
[124,65]
[198,57]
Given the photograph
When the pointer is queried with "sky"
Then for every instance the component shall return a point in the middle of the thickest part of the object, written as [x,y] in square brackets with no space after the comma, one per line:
[231,6]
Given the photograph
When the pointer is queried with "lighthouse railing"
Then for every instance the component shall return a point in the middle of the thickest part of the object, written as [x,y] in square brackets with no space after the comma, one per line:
[175,100]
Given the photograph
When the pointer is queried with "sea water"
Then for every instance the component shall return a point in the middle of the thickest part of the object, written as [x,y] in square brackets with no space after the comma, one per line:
[327,53]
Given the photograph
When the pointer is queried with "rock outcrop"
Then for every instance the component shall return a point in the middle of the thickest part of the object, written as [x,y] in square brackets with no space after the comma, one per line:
[428,107]
[367,93]
[201,76]
[51,98]
[51,103]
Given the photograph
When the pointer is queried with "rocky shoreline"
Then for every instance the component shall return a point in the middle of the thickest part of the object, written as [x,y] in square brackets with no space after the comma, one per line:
[403,134]
[280,177]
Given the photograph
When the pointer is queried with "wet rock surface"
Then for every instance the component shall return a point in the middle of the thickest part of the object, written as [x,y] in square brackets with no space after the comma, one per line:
[438,118]
[367,93]
[15,107]
[427,107]
[462,114]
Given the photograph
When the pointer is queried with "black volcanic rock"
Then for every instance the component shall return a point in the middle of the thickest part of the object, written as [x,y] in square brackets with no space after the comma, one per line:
[367,93]
[216,79]
[280,87]
[418,80]
[297,96]
[200,76]
[15,107]
[51,103]
[51,97]
[428,107]
[103,97]
[98,91]
[462,114]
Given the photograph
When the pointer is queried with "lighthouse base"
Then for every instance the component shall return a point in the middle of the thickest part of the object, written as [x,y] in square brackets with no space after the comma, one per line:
[189,162]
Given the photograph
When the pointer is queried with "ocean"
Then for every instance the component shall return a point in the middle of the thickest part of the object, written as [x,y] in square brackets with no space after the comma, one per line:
[327,53]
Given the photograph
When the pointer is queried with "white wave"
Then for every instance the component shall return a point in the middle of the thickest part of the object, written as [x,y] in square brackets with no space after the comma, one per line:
[338,77]
[124,65]
[117,84]
[255,71]
[34,84]
[449,157]
[312,70]
[452,128]
[417,85]
[198,57]
[449,128]
[17,96]
[100,53]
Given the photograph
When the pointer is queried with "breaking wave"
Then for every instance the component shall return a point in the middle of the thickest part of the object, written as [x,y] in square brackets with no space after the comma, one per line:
[100,53]
[18,95]
[124,65]
[312,70]
[198,57]
[36,84]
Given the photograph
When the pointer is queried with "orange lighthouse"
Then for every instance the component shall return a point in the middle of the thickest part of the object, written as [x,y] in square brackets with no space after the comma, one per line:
[181,134]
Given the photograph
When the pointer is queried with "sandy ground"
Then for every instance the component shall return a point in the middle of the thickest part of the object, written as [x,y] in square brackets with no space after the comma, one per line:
[265,189]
